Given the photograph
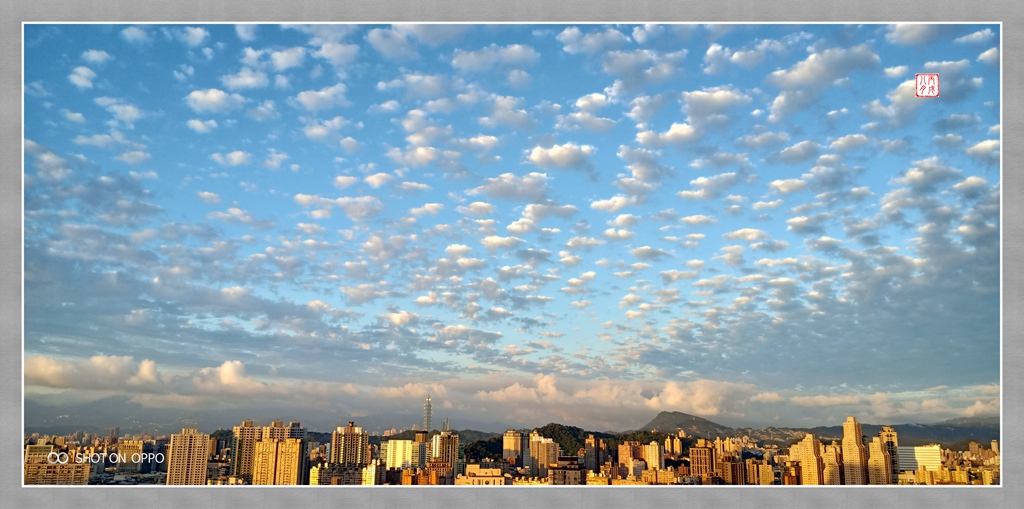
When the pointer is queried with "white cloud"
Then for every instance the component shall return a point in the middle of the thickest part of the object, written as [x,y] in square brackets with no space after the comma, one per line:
[530,187]
[979,37]
[710,104]
[477,208]
[822,68]
[849,142]
[133,157]
[378,179]
[896,72]
[235,158]
[786,186]
[493,242]
[274,159]
[193,36]
[82,77]
[95,56]
[246,32]
[134,34]
[325,98]
[246,78]
[339,55]
[561,156]
[72,116]
[343,181]
[986,151]
[288,58]
[574,41]
[677,134]
[213,100]
[990,56]
[208,197]
[492,56]
[201,126]
[908,33]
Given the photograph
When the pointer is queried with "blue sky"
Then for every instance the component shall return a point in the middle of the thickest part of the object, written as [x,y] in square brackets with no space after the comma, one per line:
[759,224]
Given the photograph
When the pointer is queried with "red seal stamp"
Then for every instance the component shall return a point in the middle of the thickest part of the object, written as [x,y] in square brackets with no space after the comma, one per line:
[926,84]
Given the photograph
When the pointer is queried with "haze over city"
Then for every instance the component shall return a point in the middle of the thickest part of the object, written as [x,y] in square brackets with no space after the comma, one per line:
[585,224]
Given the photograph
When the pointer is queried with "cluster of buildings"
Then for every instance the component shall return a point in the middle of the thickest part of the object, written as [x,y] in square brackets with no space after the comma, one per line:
[281,454]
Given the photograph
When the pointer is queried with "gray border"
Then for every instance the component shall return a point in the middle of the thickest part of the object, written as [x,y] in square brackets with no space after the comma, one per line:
[14,13]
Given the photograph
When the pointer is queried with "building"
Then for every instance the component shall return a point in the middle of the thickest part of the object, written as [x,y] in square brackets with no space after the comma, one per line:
[927,457]
[186,458]
[733,471]
[399,454]
[130,455]
[855,458]
[477,475]
[350,445]
[832,464]
[42,468]
[336,474]
[879,464]
[889,440]
[445,449]
[808,453]
[595,453]
[281,461]
[654,455]
[243,446]
[567,471]
[543,452]
[427,414]
[278,431]
[630,450]
[515,447]
[702,459]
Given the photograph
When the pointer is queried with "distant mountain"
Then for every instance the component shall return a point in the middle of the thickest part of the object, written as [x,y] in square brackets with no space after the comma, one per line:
[671,422]
[981,429]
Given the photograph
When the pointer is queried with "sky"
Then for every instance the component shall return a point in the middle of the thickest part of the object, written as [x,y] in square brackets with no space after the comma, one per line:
[586,224]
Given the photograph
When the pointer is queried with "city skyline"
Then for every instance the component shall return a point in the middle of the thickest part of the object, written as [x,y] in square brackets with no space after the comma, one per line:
[569,223]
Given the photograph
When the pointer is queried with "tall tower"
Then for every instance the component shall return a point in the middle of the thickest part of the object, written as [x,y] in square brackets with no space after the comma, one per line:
[808,453]
[888,436]
[832,458]
[855,458]
[186,458]
[879,465]
[281,461]
[427,414]
[243,447]
[349,445]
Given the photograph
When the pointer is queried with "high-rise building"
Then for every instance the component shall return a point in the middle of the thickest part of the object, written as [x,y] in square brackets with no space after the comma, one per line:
[927,457]
[427,410]
[515,447]
[404,454]
[445,448]
[654,455]
[130,455]
[40,469]
[879,466]
[630,450]
[595,453]
[543,452]
[281,461]
[855,458]
[186,458]
[349,445]
[832,461]
[278,431]
[889,440]
[702,459]
[808,453]
[243,446]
